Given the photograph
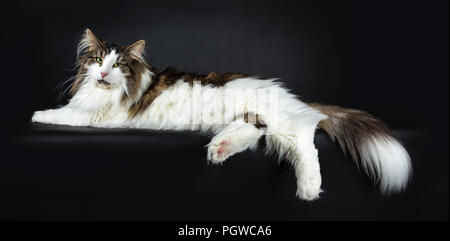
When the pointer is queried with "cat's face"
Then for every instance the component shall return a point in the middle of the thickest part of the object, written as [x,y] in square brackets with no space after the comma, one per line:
[109,66]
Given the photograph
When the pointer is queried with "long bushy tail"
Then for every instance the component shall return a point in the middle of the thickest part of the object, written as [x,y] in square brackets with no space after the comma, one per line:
[370,143]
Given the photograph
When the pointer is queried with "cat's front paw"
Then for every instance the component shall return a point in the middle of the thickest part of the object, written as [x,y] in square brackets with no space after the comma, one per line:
[37,116]
[42,117]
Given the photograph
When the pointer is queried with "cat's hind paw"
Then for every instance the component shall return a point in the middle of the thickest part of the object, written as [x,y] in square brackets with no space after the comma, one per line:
[308,185]
[308,193]
[219,151]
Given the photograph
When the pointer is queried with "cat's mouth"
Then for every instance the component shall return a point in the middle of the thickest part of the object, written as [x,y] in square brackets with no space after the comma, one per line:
[103,83]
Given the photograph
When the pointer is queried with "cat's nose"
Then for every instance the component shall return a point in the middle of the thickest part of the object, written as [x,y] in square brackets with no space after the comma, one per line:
[103,74]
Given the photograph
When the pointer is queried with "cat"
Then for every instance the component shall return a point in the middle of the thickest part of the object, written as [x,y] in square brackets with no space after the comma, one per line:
[116,88]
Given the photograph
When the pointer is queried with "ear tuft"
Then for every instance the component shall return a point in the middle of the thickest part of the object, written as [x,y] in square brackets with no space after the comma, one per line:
[88,42]
[137,49]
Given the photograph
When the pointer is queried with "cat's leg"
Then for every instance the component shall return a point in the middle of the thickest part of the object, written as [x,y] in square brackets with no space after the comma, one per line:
[236,137]
[307,168]
[298,148]
[291,137]
[61,116]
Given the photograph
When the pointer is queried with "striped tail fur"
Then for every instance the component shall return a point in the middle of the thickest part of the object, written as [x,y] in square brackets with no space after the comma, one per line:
[370,143]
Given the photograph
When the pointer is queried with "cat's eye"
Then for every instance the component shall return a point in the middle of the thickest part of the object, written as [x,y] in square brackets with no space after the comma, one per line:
[117,65]
[98,60]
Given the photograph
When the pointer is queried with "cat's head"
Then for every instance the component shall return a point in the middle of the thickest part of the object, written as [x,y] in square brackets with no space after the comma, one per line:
[111,67]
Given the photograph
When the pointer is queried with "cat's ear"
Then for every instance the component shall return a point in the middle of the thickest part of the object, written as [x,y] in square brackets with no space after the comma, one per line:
[137,49]
[89,42]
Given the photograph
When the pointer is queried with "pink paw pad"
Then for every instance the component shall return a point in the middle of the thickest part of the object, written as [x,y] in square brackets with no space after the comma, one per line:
[222,147]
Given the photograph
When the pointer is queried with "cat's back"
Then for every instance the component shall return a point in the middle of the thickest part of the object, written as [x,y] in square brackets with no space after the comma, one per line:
[173,93]
[170,76]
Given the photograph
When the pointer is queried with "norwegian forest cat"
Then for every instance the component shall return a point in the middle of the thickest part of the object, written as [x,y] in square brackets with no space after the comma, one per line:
[116,88]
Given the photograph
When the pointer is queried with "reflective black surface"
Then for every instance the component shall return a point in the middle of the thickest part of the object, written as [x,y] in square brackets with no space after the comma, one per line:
[56,172]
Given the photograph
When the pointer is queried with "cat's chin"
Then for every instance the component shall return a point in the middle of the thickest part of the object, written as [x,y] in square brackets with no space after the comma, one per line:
[103,84]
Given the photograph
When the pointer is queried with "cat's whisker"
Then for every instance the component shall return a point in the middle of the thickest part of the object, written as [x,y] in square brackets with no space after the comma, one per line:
[67,83]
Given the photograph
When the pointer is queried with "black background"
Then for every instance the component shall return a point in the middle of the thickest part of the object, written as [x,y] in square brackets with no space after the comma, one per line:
[386,57]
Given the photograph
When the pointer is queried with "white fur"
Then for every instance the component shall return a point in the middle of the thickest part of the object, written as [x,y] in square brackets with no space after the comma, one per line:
[385,159]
